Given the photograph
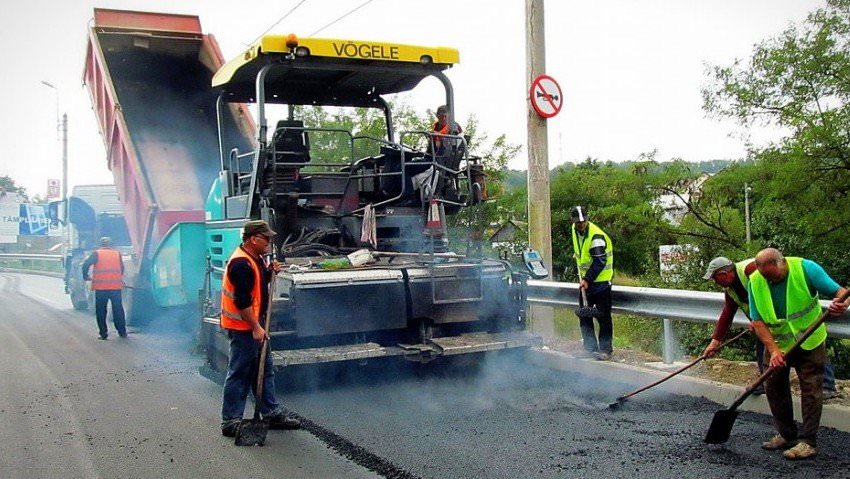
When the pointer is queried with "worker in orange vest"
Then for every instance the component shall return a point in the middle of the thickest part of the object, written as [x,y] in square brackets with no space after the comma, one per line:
[441,127]
[107,280]
[244,300]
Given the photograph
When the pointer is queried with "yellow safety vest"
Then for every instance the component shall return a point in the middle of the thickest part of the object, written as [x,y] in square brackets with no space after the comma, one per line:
[744,303]
[583,257]
[802,308]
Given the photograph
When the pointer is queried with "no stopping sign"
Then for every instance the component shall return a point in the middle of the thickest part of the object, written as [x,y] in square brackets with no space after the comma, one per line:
[545,95]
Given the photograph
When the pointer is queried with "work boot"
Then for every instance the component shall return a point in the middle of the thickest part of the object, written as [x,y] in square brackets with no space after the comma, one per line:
[759,390]
[830,394]
[229,428]
[801,451]
[602,356]
[283,421]
[777,442]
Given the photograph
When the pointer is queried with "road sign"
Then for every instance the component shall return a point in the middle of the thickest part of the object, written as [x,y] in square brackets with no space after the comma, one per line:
[52,189]
[545,95]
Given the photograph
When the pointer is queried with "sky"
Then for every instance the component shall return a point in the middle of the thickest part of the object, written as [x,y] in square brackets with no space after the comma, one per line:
[630,71]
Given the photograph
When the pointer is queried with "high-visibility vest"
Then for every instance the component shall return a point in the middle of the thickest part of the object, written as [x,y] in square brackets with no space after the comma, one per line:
[744,302]
[582,253]
[230,317]
[802,308]
[107,270]
[438,141]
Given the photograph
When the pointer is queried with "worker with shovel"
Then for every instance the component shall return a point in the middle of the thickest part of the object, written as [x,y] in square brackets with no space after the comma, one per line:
[734,279]
[244,299]
[594,255]
[784,302]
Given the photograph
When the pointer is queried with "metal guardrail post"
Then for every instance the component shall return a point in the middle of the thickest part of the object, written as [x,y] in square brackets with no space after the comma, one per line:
[667,351]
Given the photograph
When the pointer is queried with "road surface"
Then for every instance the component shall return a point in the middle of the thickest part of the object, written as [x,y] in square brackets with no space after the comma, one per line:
[73,406]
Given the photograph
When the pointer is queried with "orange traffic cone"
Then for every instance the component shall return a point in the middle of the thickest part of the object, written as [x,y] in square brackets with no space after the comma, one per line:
[434,219]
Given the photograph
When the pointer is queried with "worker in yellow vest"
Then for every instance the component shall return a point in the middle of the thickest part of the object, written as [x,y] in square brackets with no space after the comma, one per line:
[734,278]
[244,300]
[783,303]
[107,281]
[594,255]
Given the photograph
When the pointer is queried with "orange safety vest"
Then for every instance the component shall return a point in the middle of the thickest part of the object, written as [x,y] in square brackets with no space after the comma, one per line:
[438,141]
[230,317]
[107,272]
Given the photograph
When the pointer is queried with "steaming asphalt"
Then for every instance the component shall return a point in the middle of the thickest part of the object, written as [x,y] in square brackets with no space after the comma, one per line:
[72,406]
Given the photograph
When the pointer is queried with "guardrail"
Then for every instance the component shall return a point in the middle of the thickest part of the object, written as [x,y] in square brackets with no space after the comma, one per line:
[666,304]
[20,256]
[50,264]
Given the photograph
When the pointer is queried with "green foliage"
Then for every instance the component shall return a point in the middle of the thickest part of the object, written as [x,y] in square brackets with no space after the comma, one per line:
[7,185]
[798,81]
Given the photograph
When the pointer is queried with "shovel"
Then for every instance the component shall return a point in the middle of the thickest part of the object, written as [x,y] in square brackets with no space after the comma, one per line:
[621,399]
[585,312]
[721,424]
[252,432]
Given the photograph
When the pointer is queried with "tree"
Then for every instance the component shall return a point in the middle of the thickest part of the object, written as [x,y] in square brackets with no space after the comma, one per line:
[798,81]
[7,185]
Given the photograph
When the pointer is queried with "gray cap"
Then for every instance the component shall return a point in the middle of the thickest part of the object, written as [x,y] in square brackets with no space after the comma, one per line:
[105,241]
[715,264]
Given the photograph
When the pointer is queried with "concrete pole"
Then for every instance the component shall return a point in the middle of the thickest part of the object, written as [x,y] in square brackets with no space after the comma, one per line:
[65,161]
[747,210]
[539,214]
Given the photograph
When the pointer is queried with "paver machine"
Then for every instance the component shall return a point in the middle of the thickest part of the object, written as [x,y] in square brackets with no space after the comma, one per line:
[361,220]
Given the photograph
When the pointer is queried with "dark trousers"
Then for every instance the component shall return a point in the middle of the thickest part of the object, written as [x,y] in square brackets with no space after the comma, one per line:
[602,300]
[101,297]
[242,377]
[809,367]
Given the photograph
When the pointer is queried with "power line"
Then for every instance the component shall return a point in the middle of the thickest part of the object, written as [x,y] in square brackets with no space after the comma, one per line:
[279,20]
[343,16]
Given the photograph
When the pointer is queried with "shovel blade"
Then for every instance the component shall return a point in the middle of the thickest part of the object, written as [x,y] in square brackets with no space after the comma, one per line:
[252,432]
[721,426]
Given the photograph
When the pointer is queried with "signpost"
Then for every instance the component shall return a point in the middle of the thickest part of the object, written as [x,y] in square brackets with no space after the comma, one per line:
[53,190]
[545,96]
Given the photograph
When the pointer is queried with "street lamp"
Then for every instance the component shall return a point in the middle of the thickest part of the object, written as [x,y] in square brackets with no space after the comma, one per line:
[61,128]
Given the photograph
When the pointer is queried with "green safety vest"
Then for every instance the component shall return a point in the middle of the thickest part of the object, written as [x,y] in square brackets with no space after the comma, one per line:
[802,308]
[582,253]
[744,303]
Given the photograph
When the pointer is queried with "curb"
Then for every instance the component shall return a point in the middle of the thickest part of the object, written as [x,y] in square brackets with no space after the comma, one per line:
[834,416]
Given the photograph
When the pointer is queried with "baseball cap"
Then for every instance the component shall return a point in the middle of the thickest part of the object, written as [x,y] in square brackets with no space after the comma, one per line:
[715,264]
[257,227]
[578,214]
[105,241]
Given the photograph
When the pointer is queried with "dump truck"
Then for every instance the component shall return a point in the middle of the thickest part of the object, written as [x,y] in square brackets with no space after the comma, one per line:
[362,220]
[93,211]
[148,76]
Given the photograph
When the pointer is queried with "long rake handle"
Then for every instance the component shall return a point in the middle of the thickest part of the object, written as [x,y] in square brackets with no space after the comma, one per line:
[261,368]
[769,371]
[683,368]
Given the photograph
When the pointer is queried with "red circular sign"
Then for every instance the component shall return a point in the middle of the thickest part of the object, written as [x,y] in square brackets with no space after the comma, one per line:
[545,95]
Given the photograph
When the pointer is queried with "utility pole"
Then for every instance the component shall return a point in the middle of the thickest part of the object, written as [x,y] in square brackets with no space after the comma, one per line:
[747,210]
[539,214]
